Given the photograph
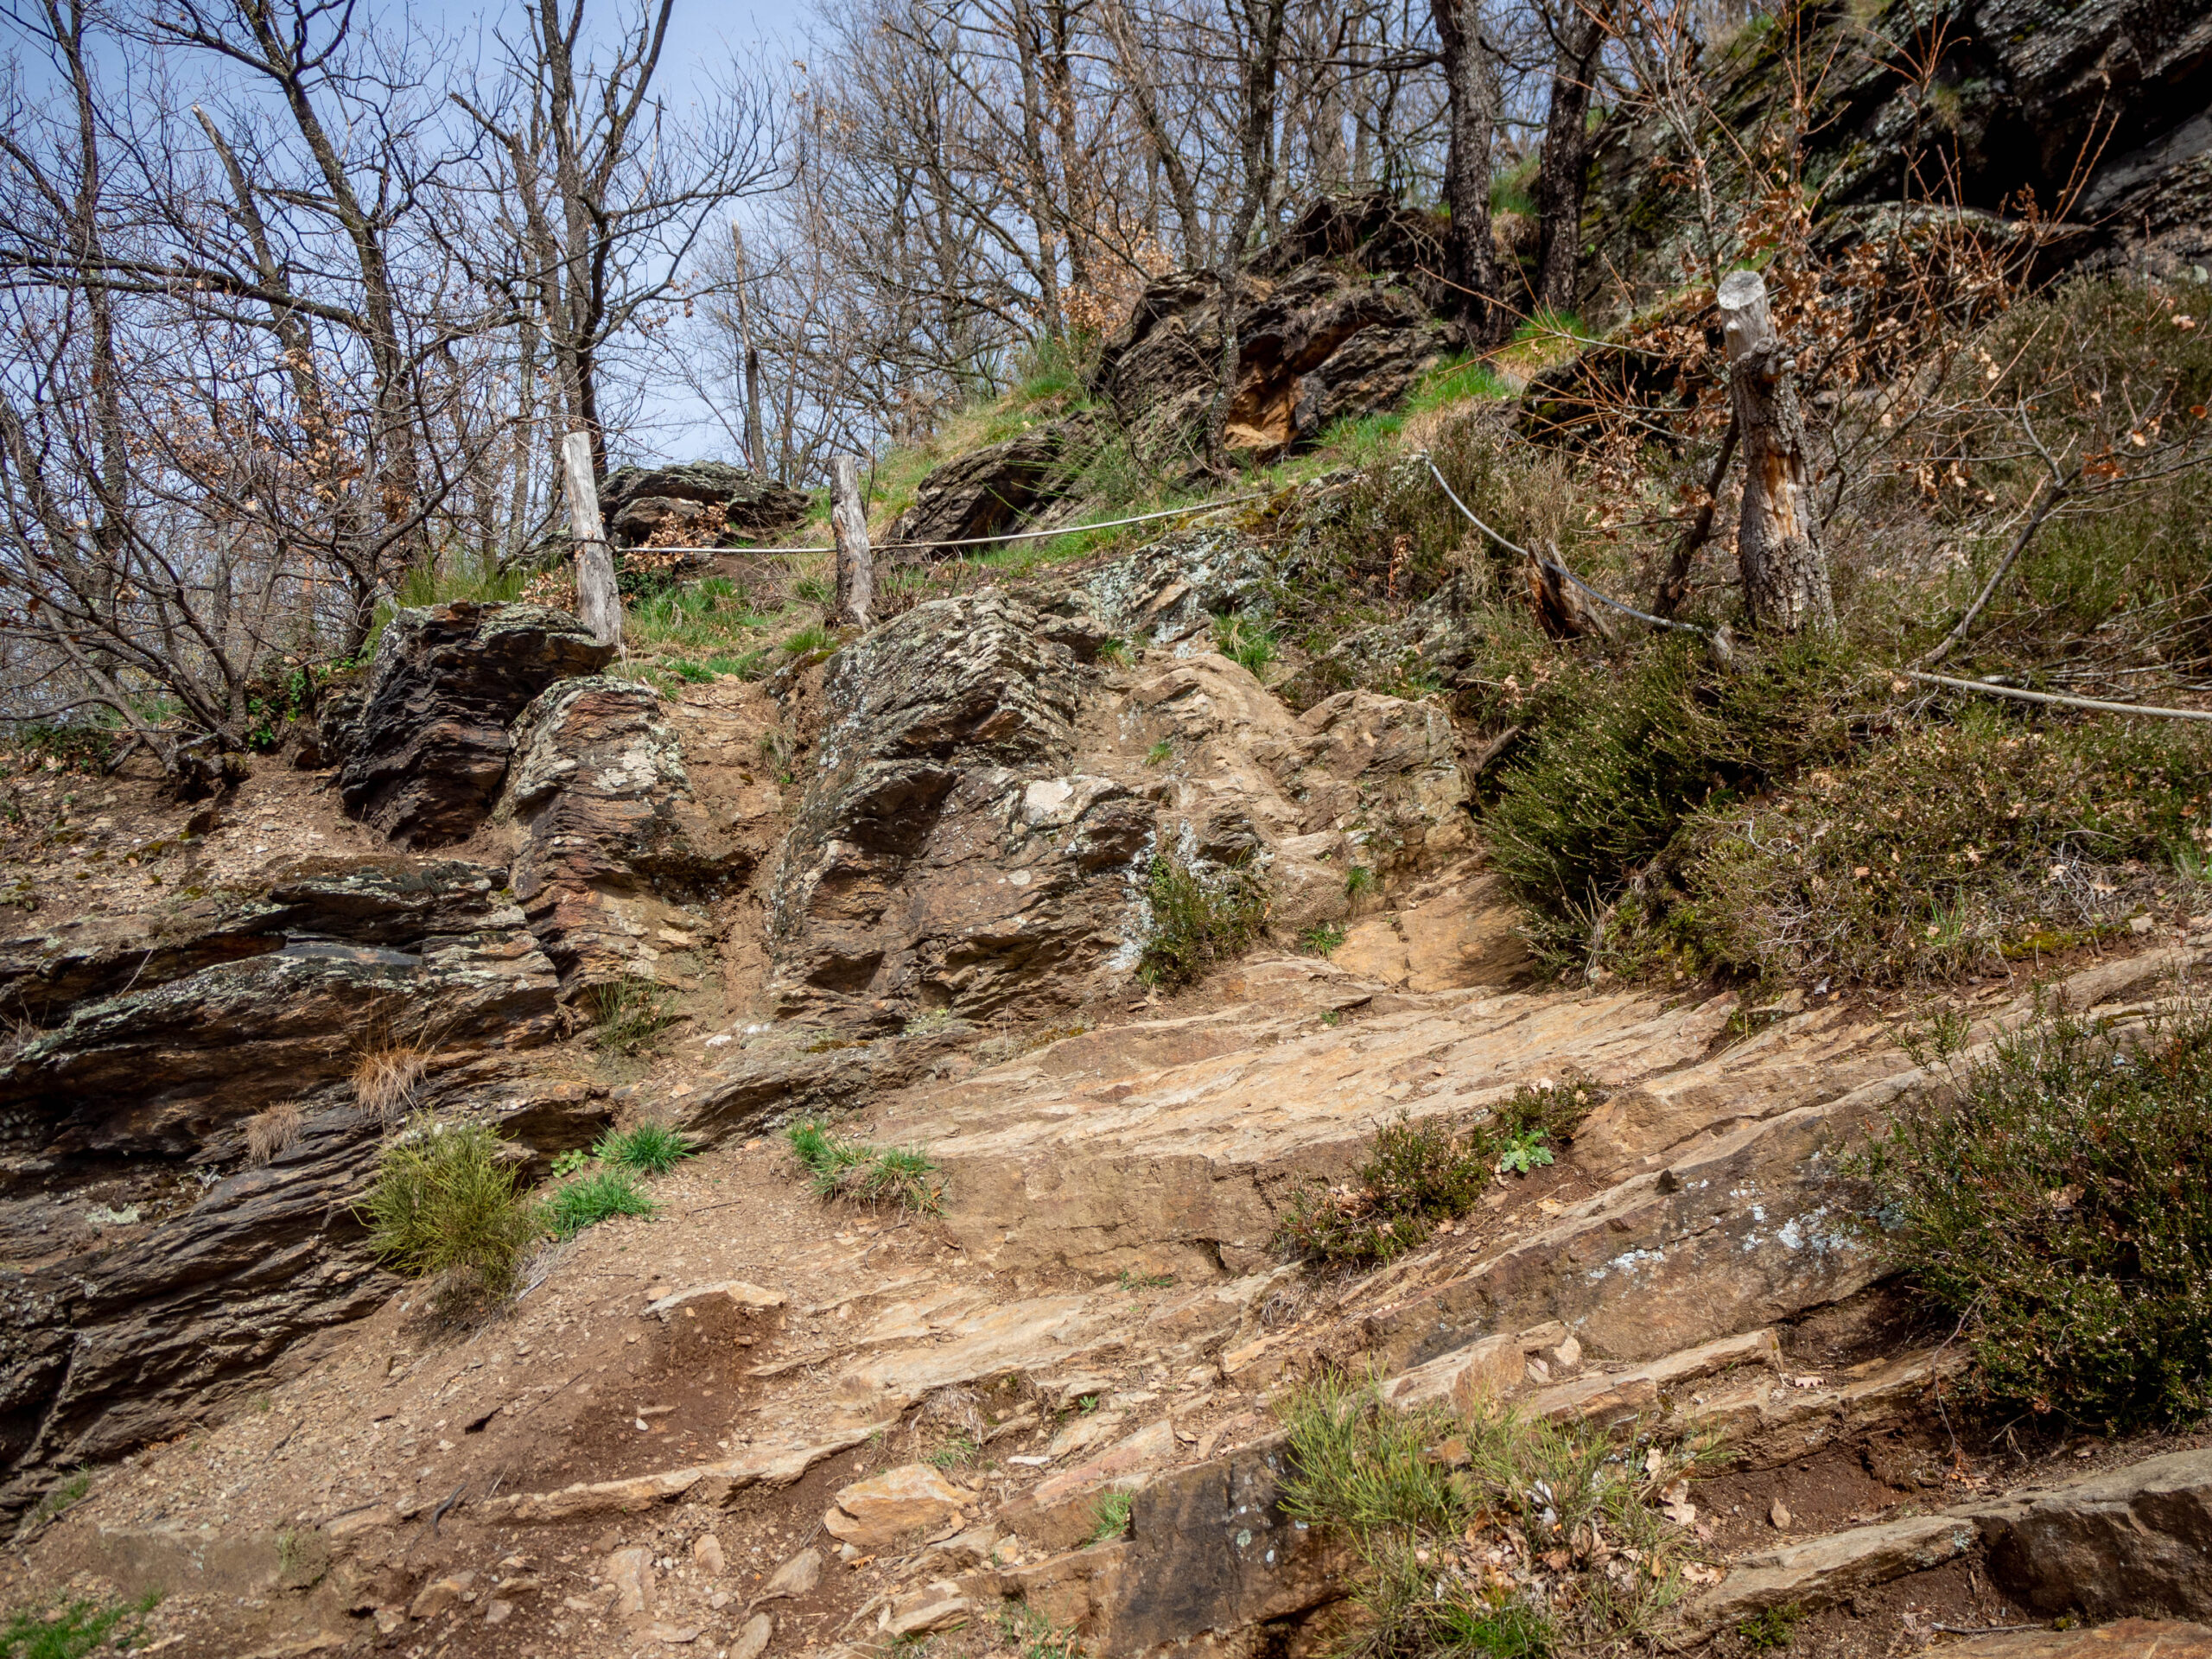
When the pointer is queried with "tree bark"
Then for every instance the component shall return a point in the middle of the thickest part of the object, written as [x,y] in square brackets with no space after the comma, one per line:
[1263,69]
[1785,572]
[1563,176]
[599,601]
[756,455]
[856,564]
[1471,123]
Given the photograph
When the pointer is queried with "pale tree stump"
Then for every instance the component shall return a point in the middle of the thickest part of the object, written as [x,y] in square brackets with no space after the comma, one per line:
[1785,572]
[599,601]
[855,565]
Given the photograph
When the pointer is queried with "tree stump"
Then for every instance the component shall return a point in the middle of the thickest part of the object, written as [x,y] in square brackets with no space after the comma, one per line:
[598,599]
[855,565]
[1785,572]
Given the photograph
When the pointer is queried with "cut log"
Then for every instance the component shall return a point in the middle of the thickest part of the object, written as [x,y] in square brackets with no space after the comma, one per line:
[1785,572]
[855,565]
[599,601]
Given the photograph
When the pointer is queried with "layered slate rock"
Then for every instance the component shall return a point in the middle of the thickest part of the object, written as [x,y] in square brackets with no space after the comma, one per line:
[717,503]
[604,808]
[159,1271]
[2102,109]
[1339,321]
[996,488]
[426,752]
[909,878]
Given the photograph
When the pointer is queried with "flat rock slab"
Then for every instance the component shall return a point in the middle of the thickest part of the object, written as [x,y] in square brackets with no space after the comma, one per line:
[2128,1638]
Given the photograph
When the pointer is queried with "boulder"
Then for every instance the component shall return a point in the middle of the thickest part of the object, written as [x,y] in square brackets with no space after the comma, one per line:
[430,745]
[2131,1540]
[2126,1639]
[995,488]
[723,504]
[599,800]
[880,1510]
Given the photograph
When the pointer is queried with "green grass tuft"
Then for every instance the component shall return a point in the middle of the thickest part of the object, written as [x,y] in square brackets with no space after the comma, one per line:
[72,1628]
[901,1176]
[649,1149]
[1112,1514]
[632,1013]
[443,1204]
[590,1199]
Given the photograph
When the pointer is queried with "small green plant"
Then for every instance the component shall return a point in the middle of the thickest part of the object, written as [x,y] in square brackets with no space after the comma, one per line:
[1429,1500]
[569,1162]
[73,1628]
[1086,1403]
[649,1149]
[1133,1281]
[1160,753]
[1114,650]
[901,1176]
[58,1500]
[2059,1206]
[590,1199]
[1523,1152]
[1332,1017]
[961,1449]
[1196,920]
[808,640]
[631,1012]
[443,1204]
[814,590]
[1111,1514]
[1359,879]
[1414,1176]
[1035,1637]
[1249,643]
[1769,1629]
[1321,938]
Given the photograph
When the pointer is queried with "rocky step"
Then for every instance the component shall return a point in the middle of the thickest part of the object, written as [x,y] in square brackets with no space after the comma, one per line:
[2130,1540]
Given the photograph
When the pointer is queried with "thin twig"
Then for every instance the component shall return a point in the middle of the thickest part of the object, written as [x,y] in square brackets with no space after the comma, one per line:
[2017,693]
[2060,485]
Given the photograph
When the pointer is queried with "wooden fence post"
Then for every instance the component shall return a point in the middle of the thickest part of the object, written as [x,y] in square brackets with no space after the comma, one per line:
[855,565]
[599,601]
[1785,572]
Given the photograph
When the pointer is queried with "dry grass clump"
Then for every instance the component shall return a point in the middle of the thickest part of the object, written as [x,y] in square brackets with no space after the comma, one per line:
[385,1078]
[273,1132]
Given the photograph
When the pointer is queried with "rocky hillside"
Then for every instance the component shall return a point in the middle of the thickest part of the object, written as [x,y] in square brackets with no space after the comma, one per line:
[1273,1084]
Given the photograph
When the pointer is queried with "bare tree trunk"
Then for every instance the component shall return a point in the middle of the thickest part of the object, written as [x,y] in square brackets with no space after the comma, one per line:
[599,601]
[1564,173]
[1785,572]
[855,565]
[755,453]
[1471,85]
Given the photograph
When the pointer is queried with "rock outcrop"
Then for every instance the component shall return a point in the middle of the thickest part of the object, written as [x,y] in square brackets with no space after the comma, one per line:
[978,836]
[996,488]
[427,750]
[1336,321]
[698,503]
[604,810]
[2102,111]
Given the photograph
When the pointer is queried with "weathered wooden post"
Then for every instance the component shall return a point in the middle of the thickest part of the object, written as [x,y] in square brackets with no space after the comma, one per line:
[599,601]
[855,565]
[1785,572]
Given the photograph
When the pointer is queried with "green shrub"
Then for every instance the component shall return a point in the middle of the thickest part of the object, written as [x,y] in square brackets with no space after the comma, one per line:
[1620,758]
[1431,1502]
[1414,1176]
[1947,848]
[75,1627]
[651,1149]
[1321,938]
[443,1204]
[2060,1206]
[901,1176]
[1419,1175]
[1246,642]
[589,1200]
[1198,921]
